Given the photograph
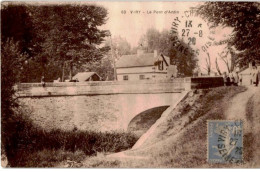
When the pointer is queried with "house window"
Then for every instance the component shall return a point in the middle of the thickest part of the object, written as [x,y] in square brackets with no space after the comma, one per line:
[125,77]
[141,77]
[160,66]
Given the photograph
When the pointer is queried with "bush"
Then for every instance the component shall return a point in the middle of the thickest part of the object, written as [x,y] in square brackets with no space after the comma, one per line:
[26,139]
[50,158]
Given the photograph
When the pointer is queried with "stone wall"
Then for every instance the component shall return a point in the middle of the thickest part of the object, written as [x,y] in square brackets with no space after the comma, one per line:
[103,87]
[206,82]
[117,87]
[99,112]
[102,106]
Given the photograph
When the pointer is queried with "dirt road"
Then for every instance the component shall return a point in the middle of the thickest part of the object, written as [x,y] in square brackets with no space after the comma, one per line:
[246,106]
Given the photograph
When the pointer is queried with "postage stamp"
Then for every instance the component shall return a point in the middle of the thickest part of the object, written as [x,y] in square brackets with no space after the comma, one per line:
[225,141]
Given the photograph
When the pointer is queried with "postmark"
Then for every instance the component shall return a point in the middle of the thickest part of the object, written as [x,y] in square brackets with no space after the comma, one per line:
[225,141]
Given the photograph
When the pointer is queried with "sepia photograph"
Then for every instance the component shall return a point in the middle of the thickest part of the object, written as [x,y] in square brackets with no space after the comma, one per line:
[130,84]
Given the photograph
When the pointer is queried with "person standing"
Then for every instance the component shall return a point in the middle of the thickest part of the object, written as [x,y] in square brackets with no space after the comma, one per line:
[236,79]
[232,79]
[43,81]
[255,76]
[225,78]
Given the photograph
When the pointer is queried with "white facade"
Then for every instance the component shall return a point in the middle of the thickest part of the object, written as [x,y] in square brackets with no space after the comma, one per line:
[143,66]
[246,76]
[141,73]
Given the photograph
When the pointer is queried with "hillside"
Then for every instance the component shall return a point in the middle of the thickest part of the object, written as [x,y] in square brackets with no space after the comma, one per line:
[180,140]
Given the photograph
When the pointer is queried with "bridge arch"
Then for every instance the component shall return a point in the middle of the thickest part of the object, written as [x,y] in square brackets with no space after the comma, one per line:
[140,123]
[98,113]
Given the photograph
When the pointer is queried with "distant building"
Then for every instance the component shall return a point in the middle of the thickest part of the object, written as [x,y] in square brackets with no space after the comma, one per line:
[246,74]
[143,66]
[86,76]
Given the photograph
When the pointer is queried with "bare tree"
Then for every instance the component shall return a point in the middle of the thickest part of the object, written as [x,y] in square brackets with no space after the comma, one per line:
[217,67]
[208,64]
[229,61]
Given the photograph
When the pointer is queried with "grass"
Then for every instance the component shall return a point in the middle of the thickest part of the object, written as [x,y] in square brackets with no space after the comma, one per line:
[182,140]
[29,146]
[50,158]
[249,109]
[251,139]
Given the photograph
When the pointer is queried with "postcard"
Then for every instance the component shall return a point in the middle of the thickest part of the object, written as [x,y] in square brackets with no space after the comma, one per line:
[113,84]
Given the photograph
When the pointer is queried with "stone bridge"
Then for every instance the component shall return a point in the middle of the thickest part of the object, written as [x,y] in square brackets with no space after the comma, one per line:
[99,112]
[100,106]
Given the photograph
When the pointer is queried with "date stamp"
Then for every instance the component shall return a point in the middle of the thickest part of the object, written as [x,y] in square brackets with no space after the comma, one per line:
[225,141]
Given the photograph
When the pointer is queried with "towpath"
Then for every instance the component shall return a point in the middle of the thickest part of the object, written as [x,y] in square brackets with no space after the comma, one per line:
[246,106]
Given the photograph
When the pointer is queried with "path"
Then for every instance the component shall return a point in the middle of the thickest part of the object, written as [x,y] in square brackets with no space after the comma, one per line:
[238,111]
[237,107]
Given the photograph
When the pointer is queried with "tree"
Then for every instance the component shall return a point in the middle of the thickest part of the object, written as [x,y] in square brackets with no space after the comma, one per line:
[120,46]
[165,42]
[150,41]
[244,18]
[217,66]
[183,56]
[11,63]
[57,38]
[155,40]
[104,68]
[70,33]
[208,64]
[16,24]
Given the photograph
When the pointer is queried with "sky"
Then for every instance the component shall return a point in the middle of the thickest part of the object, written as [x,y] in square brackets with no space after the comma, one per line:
[131,20]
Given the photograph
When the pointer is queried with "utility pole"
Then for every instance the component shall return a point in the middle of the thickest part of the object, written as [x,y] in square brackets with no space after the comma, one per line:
[114,60]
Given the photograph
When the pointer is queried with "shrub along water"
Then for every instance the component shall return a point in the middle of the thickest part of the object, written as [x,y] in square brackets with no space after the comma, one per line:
[28,139]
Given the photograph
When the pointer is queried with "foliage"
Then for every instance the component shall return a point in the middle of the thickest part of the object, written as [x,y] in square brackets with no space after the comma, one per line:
[65,36]
[150,40]
[27,139]
[11,60]
[38,40]
[155,40]
[244,18]
[72,35]
[188,147]
[51,158]
[164,43]
[120,46]
[16,24]
[186,62]
[104,68]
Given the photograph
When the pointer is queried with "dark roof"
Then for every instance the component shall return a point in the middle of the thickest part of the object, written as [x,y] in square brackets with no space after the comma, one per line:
[135,60]
[83,76]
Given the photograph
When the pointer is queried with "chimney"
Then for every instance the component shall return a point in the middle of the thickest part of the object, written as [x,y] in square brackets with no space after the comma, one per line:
[140,52]
[155,53]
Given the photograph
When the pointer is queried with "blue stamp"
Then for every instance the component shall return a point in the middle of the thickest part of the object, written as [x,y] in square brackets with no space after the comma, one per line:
[225,141]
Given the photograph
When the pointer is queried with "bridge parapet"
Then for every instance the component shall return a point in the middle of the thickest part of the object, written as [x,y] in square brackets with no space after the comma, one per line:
[103,87]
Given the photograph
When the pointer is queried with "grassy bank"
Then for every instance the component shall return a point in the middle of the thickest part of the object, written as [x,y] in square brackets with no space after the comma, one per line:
[181,140]
[29,146]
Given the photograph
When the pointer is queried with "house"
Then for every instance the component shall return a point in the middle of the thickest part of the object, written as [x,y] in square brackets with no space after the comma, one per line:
[86,76]
[246,74]
[143,66]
